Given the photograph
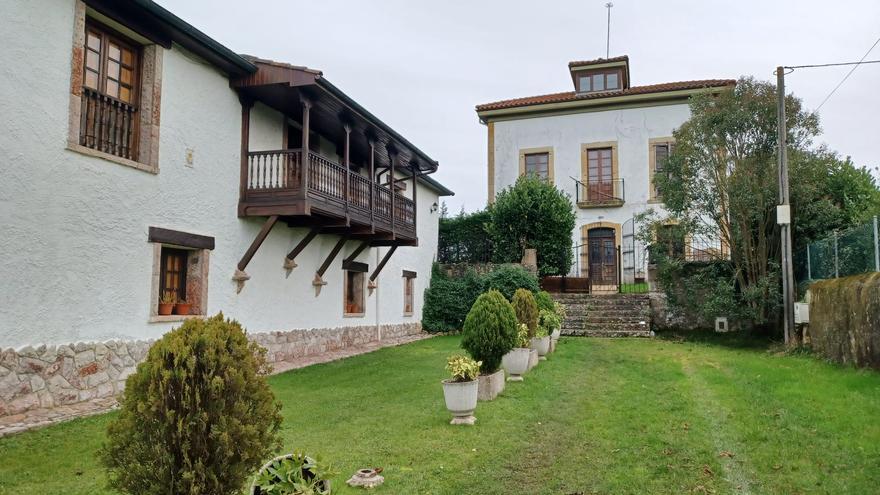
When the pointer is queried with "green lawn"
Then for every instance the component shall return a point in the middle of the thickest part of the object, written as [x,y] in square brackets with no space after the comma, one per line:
[601,416]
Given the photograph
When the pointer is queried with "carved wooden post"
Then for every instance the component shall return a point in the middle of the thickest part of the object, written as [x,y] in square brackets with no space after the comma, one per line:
[392,155]
[372,184]
[305,160]
[246,106]
[346,161]
[414,169]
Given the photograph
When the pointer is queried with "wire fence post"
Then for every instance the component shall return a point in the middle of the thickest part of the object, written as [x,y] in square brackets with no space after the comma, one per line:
[836,260]
[876,247]
[809,267]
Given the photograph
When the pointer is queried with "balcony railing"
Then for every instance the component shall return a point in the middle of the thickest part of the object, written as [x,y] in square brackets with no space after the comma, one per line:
[608,192]
[107,124]
[280,172]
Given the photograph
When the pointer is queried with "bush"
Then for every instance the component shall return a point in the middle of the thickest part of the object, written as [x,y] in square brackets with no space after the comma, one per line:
[545,301]
[526,309]
[198,416]
[506,279]
[490,330]
[448,300]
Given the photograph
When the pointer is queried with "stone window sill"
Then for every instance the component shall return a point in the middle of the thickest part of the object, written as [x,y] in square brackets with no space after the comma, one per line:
[655,201]
[172,318]
[353,315]
[603,204]
[407,315]
[111,158]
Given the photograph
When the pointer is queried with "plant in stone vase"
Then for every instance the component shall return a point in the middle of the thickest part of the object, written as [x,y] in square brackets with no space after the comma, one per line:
[541,341]
[294,474]
[166,303]
[516,362]
[461,389]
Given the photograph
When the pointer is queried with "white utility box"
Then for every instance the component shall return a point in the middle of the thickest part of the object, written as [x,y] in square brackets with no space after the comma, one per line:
[721,324]
[801,313]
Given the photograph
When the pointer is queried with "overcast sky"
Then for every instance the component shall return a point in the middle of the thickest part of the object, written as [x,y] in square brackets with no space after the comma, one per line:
[422,66]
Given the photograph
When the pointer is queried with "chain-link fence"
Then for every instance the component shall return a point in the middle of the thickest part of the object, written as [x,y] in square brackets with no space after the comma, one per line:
[855,250]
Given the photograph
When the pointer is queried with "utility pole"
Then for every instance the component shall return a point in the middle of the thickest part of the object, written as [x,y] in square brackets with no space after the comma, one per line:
[783,211]
[608,36]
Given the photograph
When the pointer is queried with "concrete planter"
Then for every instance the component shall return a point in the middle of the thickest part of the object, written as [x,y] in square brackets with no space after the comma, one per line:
[533,358]
[461,400]
[542,345]
[490,385]
[516,362]
[554,339]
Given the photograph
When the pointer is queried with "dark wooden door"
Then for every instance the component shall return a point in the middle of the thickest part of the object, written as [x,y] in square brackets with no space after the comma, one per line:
[603,256]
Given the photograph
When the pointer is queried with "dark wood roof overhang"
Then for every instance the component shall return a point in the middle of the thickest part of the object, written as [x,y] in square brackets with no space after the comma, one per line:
[283,87]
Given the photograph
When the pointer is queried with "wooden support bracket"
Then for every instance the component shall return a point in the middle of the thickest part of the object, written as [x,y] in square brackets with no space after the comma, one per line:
[289,263]
[372,284]
[356,253]
[240,276]
[319,282]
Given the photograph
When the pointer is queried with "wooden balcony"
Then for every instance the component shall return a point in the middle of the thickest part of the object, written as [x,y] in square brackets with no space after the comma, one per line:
[323,193]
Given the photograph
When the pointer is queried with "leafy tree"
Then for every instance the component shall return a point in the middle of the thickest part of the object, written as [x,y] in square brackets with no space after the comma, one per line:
[465,238]
[198,417]
[490,330]
[448,300]
[533,214]
[508,278]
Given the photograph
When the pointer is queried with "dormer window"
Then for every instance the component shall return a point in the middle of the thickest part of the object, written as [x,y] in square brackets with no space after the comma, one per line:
[598,81]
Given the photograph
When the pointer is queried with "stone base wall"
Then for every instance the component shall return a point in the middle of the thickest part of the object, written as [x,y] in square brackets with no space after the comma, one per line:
[845,319]
[51,376]
[665,317]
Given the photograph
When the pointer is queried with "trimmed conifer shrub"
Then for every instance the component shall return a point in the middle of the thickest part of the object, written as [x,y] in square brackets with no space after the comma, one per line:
[448,300]
[198,416]
[545,301]
[490,330]
[526,309]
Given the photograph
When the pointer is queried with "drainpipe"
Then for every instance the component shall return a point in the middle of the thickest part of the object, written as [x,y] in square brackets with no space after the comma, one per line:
[378,324]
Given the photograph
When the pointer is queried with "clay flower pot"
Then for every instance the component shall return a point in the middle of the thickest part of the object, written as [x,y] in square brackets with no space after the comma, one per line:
[461,400]
[516,362]
[165,309]
[182,308]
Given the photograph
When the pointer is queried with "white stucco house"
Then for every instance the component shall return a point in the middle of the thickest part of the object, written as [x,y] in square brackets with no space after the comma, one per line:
[143,163]
[602,143]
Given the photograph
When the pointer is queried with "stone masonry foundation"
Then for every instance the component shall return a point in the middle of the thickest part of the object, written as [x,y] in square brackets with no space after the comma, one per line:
[54,376]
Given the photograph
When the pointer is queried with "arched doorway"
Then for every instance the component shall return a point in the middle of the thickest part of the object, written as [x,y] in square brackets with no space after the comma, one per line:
[602,255]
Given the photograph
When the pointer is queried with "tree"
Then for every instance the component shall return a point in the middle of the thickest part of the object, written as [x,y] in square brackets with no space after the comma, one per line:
[464,238]
[533,214]
[490,330]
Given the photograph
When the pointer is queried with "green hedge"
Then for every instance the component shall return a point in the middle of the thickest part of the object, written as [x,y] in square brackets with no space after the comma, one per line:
[448,299]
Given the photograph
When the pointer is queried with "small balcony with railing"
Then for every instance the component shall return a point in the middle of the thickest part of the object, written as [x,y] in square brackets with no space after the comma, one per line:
[600,193]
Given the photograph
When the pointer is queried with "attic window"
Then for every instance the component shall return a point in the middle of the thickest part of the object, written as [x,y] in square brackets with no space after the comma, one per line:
[589,82]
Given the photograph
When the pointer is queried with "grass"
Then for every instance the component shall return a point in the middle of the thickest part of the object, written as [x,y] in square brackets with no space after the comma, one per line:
[601,416]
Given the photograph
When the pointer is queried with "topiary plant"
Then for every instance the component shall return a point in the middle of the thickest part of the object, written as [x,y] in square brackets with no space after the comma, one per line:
[508,278]
[545,301]
[489,330]
[526,309]
[198,416]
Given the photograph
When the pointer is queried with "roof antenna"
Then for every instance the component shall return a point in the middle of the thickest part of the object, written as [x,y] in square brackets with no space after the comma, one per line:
[608,38]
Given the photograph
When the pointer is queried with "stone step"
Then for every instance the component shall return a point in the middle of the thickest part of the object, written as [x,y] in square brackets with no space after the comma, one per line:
[575,320]
[584,310]
[608,333]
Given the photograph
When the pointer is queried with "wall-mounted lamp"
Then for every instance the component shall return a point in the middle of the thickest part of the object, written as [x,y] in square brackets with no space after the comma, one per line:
[434,208]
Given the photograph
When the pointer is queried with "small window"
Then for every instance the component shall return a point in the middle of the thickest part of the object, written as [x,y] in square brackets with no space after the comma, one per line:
[172,275]
[661,153]
[538,164]
[598,82]
[584,83]
[409,279]
[611,81]
[354,293]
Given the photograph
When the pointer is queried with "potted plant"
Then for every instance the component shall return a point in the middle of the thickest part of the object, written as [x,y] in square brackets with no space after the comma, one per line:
[166,303]
[488,333]
[541,342]
[516,362]
[293,474]
[559,309]
[182,307]
[551,323]
[460,390]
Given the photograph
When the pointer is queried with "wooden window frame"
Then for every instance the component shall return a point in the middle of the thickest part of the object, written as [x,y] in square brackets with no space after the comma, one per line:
[166,253]
[534,151]
[109,34]
[653,196]
[156,292]
[148,93]
[409,292]
[603,72]
[345,289]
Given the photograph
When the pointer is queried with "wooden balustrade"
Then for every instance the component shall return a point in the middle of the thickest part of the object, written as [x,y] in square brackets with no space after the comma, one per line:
[107,124]
[281,171]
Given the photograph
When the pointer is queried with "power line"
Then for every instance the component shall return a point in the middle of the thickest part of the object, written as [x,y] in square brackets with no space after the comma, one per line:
[855,66]
[830,65]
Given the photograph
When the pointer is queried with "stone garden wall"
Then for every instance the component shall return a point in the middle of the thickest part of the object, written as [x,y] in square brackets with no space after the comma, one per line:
[51,376]
[845,319]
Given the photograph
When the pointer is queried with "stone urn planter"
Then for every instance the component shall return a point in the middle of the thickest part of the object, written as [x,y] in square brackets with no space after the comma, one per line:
[489,386]
[461,400]
[516,362]
[533,358]
[542,345]
[554,339]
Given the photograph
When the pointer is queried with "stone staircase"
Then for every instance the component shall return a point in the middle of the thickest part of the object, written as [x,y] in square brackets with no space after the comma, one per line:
[606,315]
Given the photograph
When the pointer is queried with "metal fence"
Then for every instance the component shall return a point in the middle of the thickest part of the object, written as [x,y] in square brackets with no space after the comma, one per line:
[850,252]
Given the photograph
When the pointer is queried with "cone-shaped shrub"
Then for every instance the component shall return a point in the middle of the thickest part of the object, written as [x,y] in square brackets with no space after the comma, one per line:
[490,330]
[545,301]
[198,416]
[526,309]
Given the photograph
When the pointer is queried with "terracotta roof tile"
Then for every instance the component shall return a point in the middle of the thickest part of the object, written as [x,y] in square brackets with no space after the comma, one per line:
[635,90]
[578,63]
